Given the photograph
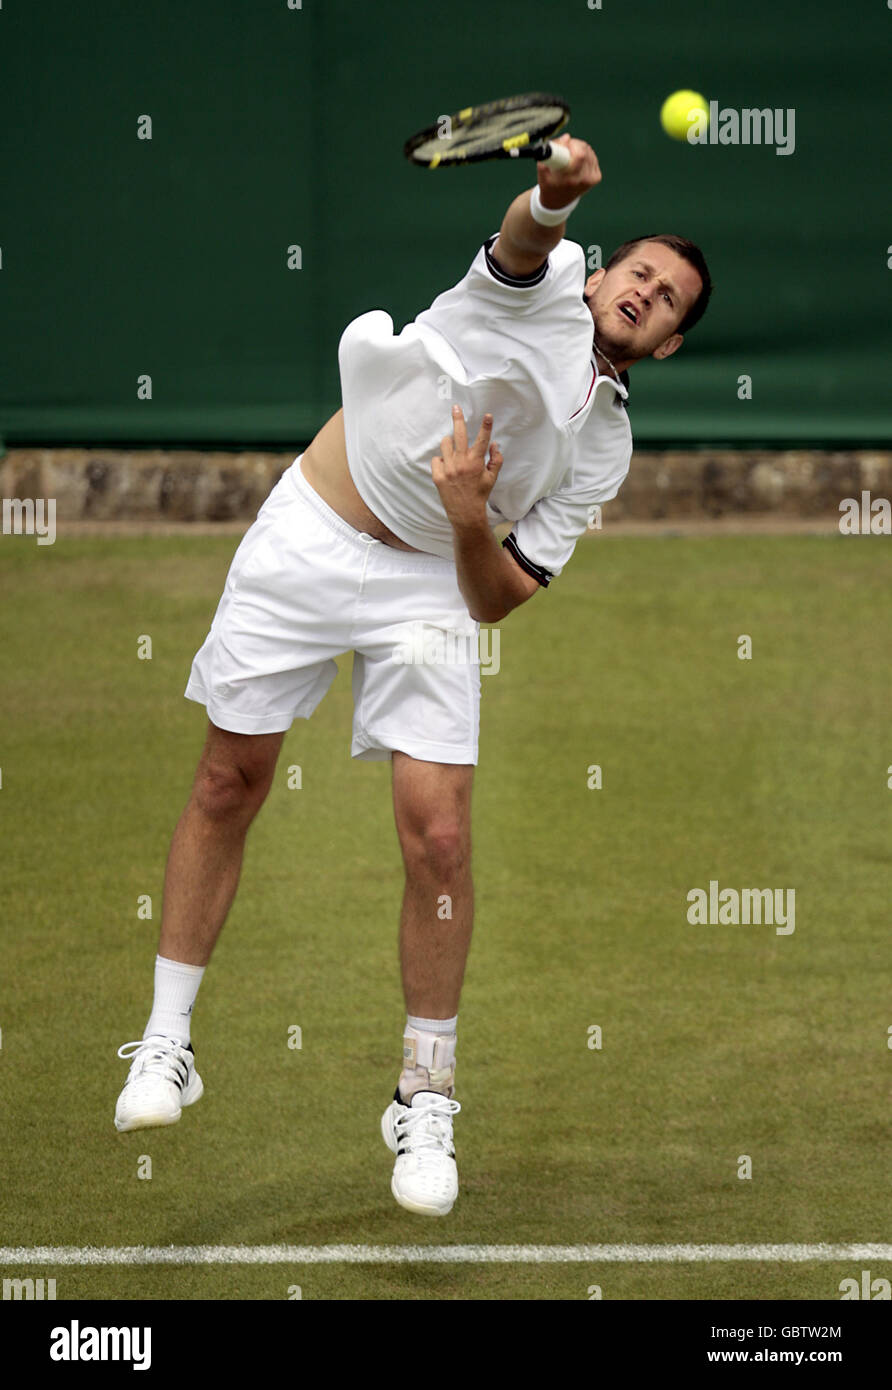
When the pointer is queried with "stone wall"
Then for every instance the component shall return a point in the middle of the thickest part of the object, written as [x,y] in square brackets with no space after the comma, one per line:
[143,484]
[200,486]
[708,484]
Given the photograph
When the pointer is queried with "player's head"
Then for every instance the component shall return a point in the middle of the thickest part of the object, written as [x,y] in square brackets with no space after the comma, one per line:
[649,294]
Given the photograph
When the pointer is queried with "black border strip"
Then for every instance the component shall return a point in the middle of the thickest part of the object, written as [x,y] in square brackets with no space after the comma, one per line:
[498,272]
[544,576]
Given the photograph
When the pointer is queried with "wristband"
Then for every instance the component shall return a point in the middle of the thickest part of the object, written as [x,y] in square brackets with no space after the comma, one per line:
[549,217]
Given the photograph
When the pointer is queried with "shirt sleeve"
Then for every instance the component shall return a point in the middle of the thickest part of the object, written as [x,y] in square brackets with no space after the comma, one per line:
[488,300]
[503,277]
[543,541]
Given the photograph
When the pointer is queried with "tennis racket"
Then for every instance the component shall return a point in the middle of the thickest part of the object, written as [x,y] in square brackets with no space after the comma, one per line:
[515,127]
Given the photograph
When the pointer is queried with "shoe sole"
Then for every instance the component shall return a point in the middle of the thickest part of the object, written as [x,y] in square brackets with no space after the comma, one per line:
[416,1207]
[159,1121]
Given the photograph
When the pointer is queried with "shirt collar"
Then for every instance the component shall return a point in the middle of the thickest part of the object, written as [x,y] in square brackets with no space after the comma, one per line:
[621,387]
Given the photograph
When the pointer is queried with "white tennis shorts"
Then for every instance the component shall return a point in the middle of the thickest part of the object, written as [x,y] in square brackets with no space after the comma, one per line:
[305,587]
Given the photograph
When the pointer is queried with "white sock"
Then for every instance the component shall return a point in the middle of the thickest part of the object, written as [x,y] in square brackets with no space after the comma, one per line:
[431,1027]
[176,987]
[428,1055]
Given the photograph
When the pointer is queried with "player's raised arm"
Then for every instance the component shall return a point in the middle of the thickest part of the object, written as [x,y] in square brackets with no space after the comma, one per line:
[529,230]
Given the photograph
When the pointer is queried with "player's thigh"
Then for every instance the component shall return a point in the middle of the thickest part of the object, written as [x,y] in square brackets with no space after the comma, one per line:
[432,800]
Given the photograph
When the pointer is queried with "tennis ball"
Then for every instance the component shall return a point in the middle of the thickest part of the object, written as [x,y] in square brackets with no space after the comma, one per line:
[679,110]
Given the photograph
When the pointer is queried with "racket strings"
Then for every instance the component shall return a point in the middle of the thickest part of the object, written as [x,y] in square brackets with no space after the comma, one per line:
[485,130]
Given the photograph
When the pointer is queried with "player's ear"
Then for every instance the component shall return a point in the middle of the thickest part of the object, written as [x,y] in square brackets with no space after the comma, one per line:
[667,348]
[593,282]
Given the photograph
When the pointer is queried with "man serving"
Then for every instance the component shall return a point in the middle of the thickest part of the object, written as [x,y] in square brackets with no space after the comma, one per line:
[383,530]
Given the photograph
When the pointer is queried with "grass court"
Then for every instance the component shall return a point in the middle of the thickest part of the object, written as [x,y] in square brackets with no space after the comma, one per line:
[718,1042]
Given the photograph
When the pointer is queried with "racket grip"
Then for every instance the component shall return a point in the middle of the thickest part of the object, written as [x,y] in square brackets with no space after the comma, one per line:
[558,156]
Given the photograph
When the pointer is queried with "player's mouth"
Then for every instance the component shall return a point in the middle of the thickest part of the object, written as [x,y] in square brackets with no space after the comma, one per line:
[629,312]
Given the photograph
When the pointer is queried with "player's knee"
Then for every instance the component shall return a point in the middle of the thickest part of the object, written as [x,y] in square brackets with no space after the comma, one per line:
[226,792]
[439,849]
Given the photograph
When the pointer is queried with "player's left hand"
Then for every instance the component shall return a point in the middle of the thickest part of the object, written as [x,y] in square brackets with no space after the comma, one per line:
[463,476]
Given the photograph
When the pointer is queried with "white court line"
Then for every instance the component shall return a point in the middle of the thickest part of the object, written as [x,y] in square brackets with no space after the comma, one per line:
[434,1254]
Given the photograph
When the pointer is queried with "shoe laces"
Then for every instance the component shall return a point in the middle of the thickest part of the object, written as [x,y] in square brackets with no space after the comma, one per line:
[428,1127]
[155,1056]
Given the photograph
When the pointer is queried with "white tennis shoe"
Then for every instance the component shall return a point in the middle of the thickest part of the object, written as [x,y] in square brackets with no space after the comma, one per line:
[425,1176]
[162,1079]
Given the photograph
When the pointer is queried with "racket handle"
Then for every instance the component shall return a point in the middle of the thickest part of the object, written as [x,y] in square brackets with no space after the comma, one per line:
[557,157]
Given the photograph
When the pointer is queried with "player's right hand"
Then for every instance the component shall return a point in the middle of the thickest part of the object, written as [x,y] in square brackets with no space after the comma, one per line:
[463,477]
[558,187]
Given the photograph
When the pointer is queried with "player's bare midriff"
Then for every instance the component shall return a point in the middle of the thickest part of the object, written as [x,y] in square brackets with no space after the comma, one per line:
[324,465]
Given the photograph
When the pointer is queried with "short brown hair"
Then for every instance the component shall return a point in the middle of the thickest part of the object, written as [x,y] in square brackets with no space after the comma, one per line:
[689,252]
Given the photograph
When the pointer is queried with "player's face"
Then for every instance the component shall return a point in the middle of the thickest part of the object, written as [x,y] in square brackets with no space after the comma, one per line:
[638,304]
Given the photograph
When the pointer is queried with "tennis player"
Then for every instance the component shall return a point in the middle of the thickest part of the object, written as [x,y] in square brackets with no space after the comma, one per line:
[379,539]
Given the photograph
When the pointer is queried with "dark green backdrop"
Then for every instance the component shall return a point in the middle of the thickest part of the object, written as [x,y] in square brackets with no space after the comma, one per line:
[275,126]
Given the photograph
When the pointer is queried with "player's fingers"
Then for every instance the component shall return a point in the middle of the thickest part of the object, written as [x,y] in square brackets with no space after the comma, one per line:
[582,173]
[584,163]
[496,459]
[481,443]
[459,429]
[446,448]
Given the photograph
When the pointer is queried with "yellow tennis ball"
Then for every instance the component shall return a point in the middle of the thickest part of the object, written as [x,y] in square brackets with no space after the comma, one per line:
[679,110]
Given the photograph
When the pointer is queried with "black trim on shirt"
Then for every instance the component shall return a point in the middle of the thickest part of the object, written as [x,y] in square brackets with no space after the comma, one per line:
[498,272]
[537,572]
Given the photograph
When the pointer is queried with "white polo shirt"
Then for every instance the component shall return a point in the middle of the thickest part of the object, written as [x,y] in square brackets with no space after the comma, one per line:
[519,347]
